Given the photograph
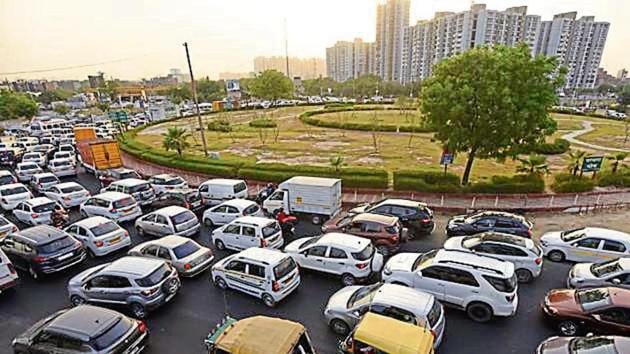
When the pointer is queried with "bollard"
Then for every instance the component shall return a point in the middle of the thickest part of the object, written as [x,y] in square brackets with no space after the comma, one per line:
[577,196]
[472,204]
[496,201]
[551,201]
[355,195]
[442,200]
[599,196]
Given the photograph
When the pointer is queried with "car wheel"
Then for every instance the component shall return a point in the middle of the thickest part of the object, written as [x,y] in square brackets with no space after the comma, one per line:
[140,231]
[316,220]
[556,256]
[339,327]
[208,222]
[220,245]
[479,312]
[568,328]
[268,300]
[383,250]
[138,310]
[524,275]
[77,300]
[34,274]
[348,279]
[220,283]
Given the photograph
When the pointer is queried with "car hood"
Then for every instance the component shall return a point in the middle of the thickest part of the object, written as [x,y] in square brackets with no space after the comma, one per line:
[556,345]
[359,210]
[402,261]
[456,220]
[339,300]
[563,300]
[296,245]
[78,279]
[552,238]
[582,271]
[453,243]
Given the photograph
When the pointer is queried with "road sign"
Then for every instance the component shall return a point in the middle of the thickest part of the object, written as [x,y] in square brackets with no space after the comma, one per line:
[447,158]
[592,163]
[118,116]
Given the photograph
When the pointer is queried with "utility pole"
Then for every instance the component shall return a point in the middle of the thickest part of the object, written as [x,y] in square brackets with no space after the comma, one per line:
[194,92]
[286,46]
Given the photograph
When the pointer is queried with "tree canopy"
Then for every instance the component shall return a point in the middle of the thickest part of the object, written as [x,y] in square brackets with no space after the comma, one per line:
[271,85]
[47,97]
[490,102]
[62,109]
[15,105]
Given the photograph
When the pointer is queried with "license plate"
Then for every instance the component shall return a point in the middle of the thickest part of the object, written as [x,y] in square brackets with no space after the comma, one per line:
[65,256]
[114,241]
[196,204]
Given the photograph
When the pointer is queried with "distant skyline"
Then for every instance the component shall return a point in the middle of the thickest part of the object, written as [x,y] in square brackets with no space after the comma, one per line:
[141,39]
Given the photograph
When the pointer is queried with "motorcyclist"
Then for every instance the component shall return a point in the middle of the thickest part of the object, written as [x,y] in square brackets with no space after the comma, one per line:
[281,216]
[269,189]
[59,217]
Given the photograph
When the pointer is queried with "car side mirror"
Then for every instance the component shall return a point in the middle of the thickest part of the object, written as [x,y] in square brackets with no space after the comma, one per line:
[616,281]
[356,313]
[8,243]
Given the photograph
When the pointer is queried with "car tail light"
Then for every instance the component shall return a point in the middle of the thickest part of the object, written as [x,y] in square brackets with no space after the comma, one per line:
[142,327]
[529,232]
[187,206]
[187,266]
[275,286]
[538,261]
[426,220]
[125,234]
[34,215]
[98,243]
[361,265]
[39,259]
[263,243]
[394,238]
[433,334]
[11,268]
[114,211]
[149,292]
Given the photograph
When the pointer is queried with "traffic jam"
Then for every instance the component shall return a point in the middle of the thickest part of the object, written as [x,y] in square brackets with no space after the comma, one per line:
[141,237]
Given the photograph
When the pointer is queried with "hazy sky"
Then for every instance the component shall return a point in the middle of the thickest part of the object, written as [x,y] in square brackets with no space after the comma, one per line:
[144,37]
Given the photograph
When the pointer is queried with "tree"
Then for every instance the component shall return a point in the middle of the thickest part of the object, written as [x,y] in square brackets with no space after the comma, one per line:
[533,164]
[62,109]
[15,105]
[617,160]
[103,106]
[110,89]
[337,162]
[47,97]
[488,102]
[271,85]
[177,94]
[175,139]
[210,90]
[318,86]
[575,161]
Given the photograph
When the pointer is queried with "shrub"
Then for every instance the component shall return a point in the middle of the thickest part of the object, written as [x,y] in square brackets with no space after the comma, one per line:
[559,146]
[220,126]
[609,179]
[262,123]
[567,183]
[307,118]
[426,181]
[519,184]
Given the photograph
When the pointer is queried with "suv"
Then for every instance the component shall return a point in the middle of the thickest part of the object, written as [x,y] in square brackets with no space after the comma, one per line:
[267,274]
[43,249]
[415,216]
[248,231]
[172,220]
[523,252]
[26,170]
[185,197]
[42,181]
[353,258]
[162,183]
[113,205]
[85,329]
[35,157]
[12,194]
[141,284]
[385,232]
[482,286]
[489,221]
[138,188]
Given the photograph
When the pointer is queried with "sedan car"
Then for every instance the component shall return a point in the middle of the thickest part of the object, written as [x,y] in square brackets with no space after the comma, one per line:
[415,216]
[35,157]
[506,223]
[592,275]
[171,220]
[13,194]
[588,344]
[6,227]
[185,197]
[42,181]
[7,177]
[585,244]
[164,182]
[186,255]
[68,194]
[230,210]
[62,167]
[26,170]
[99,235]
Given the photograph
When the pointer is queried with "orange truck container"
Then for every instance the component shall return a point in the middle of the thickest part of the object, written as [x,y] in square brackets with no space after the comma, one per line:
[82,134]
[96,154]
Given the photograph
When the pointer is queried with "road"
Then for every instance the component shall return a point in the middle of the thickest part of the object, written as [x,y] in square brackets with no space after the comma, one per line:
[180,326]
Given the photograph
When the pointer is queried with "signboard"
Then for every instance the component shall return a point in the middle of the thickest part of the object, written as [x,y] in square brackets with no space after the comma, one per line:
[118,116]
[592,163]
[232,85]
[447,158]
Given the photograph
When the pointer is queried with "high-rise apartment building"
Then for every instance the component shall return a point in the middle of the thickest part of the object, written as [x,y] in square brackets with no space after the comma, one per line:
[306,68]
[349,60]
[392,17]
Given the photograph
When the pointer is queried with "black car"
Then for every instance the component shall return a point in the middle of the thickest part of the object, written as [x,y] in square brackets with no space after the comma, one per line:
[415,216]
[84,329]
[8,158]
[185,197]
[43,249]
[507,223]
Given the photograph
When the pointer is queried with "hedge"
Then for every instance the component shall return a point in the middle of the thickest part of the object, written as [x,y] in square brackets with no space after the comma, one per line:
[618,179]
[262,123]
[426,181]
[567,183]
[519,184]
[559,146]
[307,118]
[219,126]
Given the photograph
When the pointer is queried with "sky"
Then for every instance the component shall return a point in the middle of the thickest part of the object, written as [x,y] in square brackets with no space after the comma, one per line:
[133,39]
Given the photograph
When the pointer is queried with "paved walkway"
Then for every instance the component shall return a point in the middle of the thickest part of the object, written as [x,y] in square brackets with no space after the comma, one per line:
[587,127]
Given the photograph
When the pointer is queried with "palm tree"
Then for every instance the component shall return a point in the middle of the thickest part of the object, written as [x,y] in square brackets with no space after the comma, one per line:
[575,160]
[175,139]
[617,160]
[336,162]
[533,164]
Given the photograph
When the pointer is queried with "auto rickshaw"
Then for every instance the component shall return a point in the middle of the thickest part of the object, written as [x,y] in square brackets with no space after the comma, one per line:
[257,335]
[377,334]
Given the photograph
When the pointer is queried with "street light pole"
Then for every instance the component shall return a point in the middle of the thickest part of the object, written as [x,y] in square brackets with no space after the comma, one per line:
[194,92]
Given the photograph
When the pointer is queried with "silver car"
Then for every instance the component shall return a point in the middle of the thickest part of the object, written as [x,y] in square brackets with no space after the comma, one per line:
[142,284]
[594,275]
[347,306]
[171,220]
[186,255]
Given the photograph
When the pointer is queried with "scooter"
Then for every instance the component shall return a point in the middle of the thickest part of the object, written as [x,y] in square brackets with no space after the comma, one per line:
[59,219]
[287,224]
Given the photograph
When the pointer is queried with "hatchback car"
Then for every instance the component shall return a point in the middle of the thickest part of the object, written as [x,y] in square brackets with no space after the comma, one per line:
[35,157]
[42,181]
[67,155]
[230,210]
[84,329]
[138,188]
[586,344]
[26,170]
[37,211]
[506,223]
[43,249]
[7,177]
[599,310]
[100,236]
[186,255]
[384,231]
[62,167]
[68,194]
[13,194]
[138,283]
[184,197]
[592,275]
[172,220]
[6,227]
[8,275]
[248,231]
[415,216]
[67,148]
[353,258]
[112,205]
[586,244]
[164,182]
[269,275]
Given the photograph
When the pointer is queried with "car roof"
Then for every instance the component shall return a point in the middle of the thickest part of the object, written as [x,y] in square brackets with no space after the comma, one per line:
[20,164]
[122,170]
[170,210]
[43,174]
[166,176]
[223,181]
[59,160]
[5,173]
[499,237]
[179,190]
[39,201]
[255,220]
[467,259]
[402,296]
[606,233]
[92,221]
[112,196]
[402,202]
[129,182]
[262,255]
[501,214]
[12,185]
[137,266]
[354,243]
[239,203]
[377,218]
[42,234]
[171,241]
[69,184]
[83,322]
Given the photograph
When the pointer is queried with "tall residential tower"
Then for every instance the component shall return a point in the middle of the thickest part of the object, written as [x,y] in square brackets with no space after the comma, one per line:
[392,17]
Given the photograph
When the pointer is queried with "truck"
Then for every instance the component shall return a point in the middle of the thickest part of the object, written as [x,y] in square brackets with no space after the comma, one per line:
[96,154]
[315,197]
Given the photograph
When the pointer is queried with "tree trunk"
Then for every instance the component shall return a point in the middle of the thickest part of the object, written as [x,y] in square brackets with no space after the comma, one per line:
[469,164]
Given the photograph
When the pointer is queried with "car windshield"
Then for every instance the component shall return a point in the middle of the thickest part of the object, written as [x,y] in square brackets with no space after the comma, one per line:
[602,269]
[423,260]
[251,210]
[471,241]
[365,254]
[125,202]
[48,179]
[44,208]
[185,249]
[593,298]
[182,217]
[104,228]
[140,188]
[157,276]
[571,235]
[71,189]
[435,313]
[271,229]
[62,163]
[13,190]
[239,187]
[587,345]
[129,174]
[363,296]
[283,268]
[56,245]
[6,179]
[112,334]
[28,167]
[310,241]
[170,182]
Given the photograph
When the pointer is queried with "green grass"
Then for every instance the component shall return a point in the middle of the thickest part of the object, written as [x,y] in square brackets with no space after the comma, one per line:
[387,117]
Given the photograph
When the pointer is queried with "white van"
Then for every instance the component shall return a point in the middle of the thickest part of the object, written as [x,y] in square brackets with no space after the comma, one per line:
[218,190]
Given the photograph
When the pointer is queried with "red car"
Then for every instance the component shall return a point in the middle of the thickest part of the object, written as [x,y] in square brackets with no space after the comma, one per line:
[386,232]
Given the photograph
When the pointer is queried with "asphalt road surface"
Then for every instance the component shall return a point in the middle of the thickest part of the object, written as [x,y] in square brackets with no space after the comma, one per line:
[181,325]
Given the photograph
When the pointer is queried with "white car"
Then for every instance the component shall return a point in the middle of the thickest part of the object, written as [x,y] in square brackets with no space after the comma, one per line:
[586,244]
[62,167]
[351,257]
[36,211]
[26,170]
[7,177]
[482,286]
[12,194]
[523,252]
[6,228]
[226,212]
[42,181]
[66,155]
[163,182]
[269,275]
[35,157]
[112,205]
[615,273]
[68,148]
[99,235]
[68,194]
[140,189]
[248,231]
[8,275]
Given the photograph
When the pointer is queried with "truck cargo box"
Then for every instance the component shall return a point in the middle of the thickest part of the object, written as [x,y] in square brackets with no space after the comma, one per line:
[84,134]
[99,154]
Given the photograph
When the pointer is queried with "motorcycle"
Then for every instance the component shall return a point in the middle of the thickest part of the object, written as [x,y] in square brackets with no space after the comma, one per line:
[59,219]
[287,224]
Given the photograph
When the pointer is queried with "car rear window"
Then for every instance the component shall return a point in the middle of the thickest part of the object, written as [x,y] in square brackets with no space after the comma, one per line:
[434,314]
[56,245]
[29,167]
[130,174]
[504,285]
[71,189]
[239,187]
[48,179]
[172,182]
[3,221]
[365,254]
[271,229]
[140,188]
[44,208]
[13,190]
[6,179]
[62,163]
[125,202]
[182,217]
[113,334]
[104,228]
[156,277]
[185,249]
[251,210]
[285,267]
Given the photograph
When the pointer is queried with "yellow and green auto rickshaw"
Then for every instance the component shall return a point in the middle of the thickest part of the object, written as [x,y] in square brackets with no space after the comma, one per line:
[377,334]
[259,335]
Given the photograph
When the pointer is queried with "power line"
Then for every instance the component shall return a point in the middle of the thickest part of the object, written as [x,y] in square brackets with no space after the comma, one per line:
[71,67]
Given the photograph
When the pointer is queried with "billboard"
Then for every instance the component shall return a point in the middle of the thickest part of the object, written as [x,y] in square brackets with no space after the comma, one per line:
[232,86]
